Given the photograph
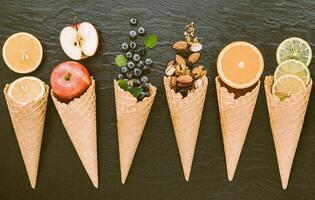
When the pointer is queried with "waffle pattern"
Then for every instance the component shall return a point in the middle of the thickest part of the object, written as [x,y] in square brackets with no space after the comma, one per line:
[286,120]
[235,117]
[28,122]
[131,119]
[186,115]
[79,119]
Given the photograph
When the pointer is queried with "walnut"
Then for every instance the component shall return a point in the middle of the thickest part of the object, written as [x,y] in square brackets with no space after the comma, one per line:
[199,71]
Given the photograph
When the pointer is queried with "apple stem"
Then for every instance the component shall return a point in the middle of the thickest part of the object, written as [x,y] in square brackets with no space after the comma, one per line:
[75,22]
[67,77]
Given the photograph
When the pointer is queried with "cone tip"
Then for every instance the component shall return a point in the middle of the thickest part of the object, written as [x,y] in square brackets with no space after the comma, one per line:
[284,186]
[187,178]
[123,180]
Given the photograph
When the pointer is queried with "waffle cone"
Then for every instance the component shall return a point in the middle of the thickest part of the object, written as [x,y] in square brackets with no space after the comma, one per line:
[235,117]
[186,115]
[131,119]
[79,119]
[286,120]
[28,123]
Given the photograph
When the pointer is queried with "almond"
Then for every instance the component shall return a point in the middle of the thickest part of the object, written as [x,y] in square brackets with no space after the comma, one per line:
[180,60]
[173,82]
[193,58]
[185,79]
[184,85]
[180,45]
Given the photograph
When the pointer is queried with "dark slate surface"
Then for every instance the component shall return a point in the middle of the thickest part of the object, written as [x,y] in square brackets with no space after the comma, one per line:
[156,172]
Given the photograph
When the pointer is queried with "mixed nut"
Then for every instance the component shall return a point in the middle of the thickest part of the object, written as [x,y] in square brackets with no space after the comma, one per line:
[185,73]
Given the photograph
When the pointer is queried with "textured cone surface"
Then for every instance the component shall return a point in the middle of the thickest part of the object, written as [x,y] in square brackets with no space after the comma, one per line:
[28,122]
[235,117]
[131,119]
[79,119]
[186,115]
[286,120]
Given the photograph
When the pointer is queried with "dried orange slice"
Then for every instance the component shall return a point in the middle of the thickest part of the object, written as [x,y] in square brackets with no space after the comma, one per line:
[26,89]
[22,52]
[240,65]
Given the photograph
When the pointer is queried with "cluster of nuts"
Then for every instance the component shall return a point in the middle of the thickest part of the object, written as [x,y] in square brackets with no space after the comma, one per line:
[184,72]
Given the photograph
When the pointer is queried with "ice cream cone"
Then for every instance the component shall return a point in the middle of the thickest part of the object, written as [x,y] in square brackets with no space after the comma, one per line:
[131,120]
[235,117]
[79,119]
[28,122]
[186,115]
[286,120]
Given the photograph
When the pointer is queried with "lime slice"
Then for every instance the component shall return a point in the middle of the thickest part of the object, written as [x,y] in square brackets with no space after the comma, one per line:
[293,67]
[286,85]
[294,48]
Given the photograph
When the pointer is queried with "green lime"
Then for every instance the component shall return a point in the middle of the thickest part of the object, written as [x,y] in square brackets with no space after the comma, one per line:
[294,48]
[293,67]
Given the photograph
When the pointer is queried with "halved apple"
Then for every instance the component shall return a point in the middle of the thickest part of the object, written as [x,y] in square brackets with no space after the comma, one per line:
[79,41]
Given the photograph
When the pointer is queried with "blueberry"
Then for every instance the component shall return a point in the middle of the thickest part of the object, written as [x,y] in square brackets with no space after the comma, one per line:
[136,83]
[141,31]
[124,70]
[146,69]
[146,87]
[131,65]
[129,74]
[133,35]
[137,72]
[133,22]
[143,95]
[129,55]
[148,61]
[144,79]
[140,64]
[120,76]
[136,57]
[124,46]
[133,45]
[142,51]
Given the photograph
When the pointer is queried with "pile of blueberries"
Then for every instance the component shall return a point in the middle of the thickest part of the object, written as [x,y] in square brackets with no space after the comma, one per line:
[138,66]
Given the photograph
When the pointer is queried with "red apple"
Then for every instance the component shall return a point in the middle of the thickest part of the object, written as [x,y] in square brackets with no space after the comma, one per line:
[69,80]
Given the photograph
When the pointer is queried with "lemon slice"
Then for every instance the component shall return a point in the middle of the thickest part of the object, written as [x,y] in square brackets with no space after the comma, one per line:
[22,52]
[286,85]
[293,67]
[294,48]
[26,89]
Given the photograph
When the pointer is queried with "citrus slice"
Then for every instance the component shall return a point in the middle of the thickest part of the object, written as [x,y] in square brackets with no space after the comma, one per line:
[22,52]
[293,67]
[287,85]
[294,48]
[240,65]
[26,89]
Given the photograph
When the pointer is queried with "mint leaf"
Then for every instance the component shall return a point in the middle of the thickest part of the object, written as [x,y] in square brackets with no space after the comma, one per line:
[150,41]
[121,60]
[135,91]
[123,85]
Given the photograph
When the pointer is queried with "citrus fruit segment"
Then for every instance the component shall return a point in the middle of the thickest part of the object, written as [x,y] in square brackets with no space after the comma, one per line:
[294,48]
[26,89]
[22,52]
[293,67]
[240,65]
[287,85]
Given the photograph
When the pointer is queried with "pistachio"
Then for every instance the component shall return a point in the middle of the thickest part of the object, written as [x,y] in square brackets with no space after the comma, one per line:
[195,47]
[198,83]
[180,45]
[185,79]
[170,70]
[193,58]
[180,60]
[173,82]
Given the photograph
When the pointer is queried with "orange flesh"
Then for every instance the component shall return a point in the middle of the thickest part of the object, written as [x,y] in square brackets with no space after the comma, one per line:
[241,64]
[23,52]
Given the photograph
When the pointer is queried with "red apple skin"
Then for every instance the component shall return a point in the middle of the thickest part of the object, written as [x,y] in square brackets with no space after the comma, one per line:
[69,80]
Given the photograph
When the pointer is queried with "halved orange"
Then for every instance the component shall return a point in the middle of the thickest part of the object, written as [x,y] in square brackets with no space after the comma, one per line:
[22,52]
[240,65]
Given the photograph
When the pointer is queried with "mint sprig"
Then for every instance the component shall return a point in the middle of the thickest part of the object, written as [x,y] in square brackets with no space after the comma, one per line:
[151,41]
[121,61]
[135,91]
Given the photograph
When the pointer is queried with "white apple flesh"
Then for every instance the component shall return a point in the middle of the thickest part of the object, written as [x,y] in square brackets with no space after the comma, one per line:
[79,41]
